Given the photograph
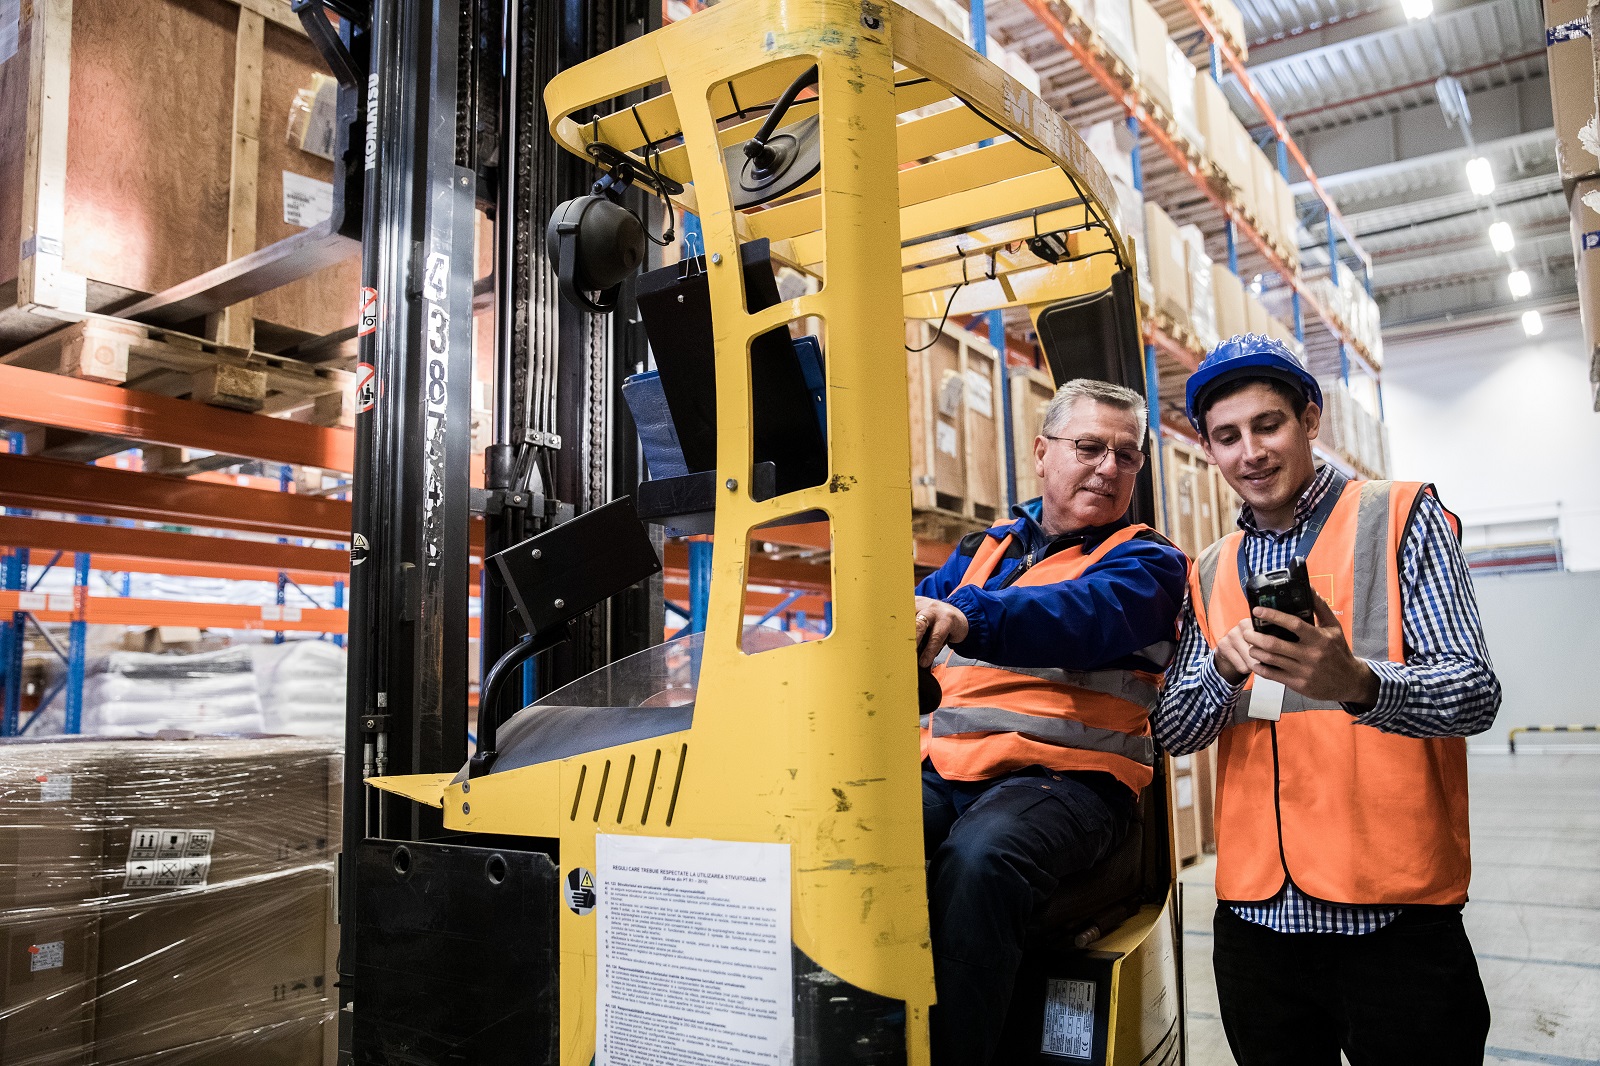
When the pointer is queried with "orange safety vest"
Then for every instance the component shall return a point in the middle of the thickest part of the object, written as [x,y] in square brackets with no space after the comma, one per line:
[1350,814]
[994,719]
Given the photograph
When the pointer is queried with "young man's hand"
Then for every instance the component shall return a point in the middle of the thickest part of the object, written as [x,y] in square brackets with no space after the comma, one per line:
[1232,657]
[1320,666]
[944,624]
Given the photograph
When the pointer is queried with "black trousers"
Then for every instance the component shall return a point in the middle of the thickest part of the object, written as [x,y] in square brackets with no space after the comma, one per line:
[1407,994]
[996,851]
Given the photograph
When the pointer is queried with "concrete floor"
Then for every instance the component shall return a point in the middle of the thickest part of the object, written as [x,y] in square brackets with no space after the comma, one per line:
[1534,915]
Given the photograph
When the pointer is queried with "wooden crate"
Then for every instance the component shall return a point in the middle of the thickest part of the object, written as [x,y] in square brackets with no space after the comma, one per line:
[143,143]
[957,433]
[1190,515]
[1031,392]
[1185,809]
[1205,802]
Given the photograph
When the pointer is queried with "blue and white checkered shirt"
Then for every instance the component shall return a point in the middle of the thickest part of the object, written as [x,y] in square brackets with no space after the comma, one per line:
[1445,688]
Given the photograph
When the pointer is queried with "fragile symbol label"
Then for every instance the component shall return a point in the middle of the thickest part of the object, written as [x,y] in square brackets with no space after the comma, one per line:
[367,312]
[168,858]
[51,956]
[366,387]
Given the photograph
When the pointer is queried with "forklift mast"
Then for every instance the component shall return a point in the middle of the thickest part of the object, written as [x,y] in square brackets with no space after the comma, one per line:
[446,121]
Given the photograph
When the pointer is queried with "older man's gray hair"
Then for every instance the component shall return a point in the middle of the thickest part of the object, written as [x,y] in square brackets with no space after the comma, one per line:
[1060,409]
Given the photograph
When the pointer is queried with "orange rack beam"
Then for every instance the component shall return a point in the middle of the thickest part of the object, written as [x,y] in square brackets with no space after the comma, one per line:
[146,551]
[147,418]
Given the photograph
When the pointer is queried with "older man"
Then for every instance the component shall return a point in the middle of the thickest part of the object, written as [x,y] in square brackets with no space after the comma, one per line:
[1044,633]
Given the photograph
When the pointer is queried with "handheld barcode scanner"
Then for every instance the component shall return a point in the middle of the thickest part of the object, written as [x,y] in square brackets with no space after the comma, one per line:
[715,846]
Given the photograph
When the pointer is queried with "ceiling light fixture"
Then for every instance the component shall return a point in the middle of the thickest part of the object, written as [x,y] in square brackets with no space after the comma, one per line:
[1501,237]
[1480,175]
[1416,9]
[1517,281]
[1532,324]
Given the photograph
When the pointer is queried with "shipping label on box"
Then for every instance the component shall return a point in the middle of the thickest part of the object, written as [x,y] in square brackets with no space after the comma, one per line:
[1570,59]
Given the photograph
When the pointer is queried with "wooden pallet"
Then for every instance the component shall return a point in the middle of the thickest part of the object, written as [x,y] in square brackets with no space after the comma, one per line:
[162,361]
[947,527]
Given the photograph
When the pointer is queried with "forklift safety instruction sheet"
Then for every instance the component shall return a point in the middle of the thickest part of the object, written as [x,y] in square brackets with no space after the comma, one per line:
[695,963]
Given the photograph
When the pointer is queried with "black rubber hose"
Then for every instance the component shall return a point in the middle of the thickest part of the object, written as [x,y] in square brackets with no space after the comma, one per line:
[754,146]
[493,688]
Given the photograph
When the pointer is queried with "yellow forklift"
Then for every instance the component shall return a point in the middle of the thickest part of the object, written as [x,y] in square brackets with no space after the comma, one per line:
[710,850]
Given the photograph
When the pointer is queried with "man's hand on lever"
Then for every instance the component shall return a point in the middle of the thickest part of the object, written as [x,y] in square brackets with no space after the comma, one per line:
[941,624]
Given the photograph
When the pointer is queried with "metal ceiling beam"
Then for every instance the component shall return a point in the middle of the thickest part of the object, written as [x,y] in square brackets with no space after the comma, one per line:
[1340,29]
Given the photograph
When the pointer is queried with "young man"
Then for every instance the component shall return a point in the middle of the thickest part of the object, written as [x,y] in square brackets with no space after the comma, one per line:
[1342,838]
[1046,634]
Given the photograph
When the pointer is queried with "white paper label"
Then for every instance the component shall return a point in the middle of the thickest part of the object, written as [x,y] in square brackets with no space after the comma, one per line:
[695,958]
[1266,699]
[951,387]
[1185,792]
[53,788]
[1069,1019]
[168,858]
[306,201]
[31,601]
[944,438]
[291,614]
[60,602]
[51,956]
[980,394]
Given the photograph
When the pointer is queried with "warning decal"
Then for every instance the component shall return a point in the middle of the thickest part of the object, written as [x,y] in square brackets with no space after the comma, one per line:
[367,312]
[168,858]
[366,387]
[1069,1019]
[580,890]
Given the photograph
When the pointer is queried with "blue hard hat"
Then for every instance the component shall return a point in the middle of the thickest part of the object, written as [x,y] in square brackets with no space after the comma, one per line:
[1247,355]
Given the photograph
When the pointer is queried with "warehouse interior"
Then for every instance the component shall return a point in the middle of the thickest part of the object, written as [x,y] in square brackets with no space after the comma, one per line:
[423,556]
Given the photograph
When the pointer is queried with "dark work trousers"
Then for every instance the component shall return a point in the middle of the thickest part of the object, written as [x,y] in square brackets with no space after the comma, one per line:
[1407,994]
[996,851]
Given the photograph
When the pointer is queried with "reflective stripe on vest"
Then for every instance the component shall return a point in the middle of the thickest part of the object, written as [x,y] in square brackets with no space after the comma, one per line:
[1351,814]
[999,718]
[1123,684]
[954,721]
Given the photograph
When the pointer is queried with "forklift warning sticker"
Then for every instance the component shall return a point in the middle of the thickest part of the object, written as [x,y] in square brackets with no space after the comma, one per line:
[695,957]
[580,891]
[168,858]
[1069,1019]
[366,387]
[367,312]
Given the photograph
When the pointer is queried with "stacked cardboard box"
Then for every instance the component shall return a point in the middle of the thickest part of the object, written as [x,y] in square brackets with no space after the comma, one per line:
[1169,270]
[1202,297]
[1232,313]
[1182,87]
[1150,40]
[1570,56]
[1586,249]
[1229,21]
[167,901]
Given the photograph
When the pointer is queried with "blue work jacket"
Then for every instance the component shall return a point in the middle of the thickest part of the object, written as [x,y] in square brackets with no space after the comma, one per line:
[1123,604]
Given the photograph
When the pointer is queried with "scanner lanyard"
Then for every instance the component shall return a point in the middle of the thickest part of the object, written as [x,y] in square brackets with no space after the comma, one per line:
[1308,537]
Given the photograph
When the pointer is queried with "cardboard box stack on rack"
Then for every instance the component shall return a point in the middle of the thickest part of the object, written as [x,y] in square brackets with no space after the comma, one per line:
[1569,41]
[168,901]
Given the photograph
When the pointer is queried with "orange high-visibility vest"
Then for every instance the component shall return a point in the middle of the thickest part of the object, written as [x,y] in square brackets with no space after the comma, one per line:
[994,719]
[1349,813]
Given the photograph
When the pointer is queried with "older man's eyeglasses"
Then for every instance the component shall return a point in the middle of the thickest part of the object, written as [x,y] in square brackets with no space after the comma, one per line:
[1092,452]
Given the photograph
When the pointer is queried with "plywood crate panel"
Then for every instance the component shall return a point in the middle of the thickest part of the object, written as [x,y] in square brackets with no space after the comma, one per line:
[1191,514]
[125,161]
[1031,392]
[957,442]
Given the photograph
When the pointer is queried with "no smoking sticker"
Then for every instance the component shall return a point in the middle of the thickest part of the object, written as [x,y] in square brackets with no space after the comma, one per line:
[367,312]
[366,387]
[580,891]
